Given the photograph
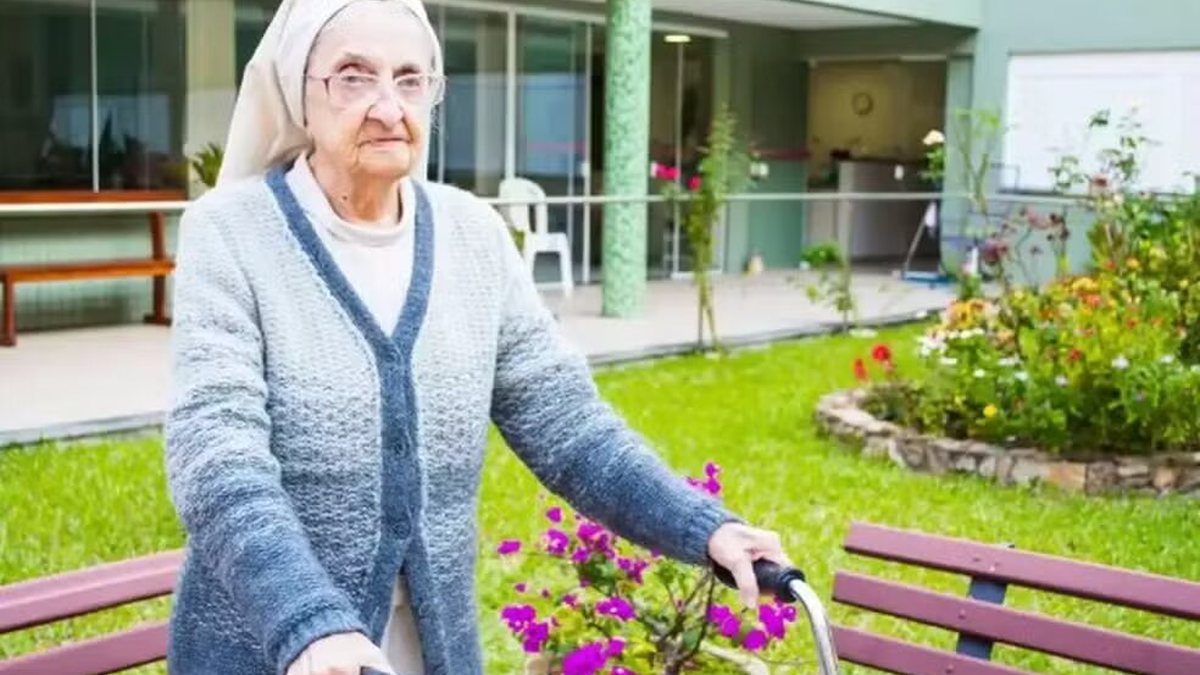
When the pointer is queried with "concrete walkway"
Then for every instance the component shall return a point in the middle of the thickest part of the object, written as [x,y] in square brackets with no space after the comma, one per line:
[78,382]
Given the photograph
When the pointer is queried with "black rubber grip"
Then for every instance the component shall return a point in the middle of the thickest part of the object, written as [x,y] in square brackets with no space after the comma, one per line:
[772,578]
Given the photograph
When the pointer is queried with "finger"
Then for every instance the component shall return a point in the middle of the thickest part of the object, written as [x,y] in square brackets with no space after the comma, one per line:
[743,575]
[378,662]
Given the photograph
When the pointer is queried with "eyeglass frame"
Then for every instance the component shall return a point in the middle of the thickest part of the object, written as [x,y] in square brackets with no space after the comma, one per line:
[432,79]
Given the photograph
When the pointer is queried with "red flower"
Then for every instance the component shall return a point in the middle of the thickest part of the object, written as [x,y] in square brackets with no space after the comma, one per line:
[882,354]
[694,183]
[1074,355]
[860,370]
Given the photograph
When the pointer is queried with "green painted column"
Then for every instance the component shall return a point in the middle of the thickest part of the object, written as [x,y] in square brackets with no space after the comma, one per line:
[626,155]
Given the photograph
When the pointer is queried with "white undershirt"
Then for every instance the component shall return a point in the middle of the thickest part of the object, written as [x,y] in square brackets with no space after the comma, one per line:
[376,259]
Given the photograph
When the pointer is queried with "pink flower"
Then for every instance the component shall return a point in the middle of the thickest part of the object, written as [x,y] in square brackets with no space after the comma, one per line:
[508,547]
[725,620]
[554,514]
[536,635]
[517,617]
[772,621]
[586,660]
[615,647]
[570,601]
[557,541]
[617,608]
[694,183]
[520,588]
[755,640]
[621,670]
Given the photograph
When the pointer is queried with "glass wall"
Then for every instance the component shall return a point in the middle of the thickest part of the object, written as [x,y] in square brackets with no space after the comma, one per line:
[140,86]
[45,95]
[552,117]
[467,145]
[62,130]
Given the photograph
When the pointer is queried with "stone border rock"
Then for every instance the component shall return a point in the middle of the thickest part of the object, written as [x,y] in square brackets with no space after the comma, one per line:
[840,415]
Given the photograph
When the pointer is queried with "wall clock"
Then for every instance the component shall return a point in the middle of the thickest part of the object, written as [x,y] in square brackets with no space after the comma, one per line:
[862,103]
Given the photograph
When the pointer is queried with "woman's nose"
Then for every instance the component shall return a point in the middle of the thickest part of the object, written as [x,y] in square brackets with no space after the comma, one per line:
[388,110]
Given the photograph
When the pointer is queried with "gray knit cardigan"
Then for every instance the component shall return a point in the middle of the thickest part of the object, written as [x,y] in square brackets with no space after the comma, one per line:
[312,457]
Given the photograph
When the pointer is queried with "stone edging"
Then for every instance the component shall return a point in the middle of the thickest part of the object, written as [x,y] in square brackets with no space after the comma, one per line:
[839,415]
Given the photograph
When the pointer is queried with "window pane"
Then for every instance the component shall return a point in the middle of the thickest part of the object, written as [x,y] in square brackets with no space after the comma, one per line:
[141,85]
[45,84]
[467,146]
[253,17]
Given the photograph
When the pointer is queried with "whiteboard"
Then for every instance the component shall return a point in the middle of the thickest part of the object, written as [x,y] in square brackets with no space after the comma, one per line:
[1051,97]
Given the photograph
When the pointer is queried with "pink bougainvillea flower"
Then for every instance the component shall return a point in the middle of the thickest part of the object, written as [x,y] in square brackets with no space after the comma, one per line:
[517,617]
[570,601]
[712,469]
[586,660]
[772,621]
[520,588]
[580,555]
[508,547]
[755,640]
[621,670]
[617,608]
[616,646]
[557,541]
[535,636]
[554,514]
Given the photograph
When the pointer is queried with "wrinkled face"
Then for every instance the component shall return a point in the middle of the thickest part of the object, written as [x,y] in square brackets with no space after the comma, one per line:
[370,89]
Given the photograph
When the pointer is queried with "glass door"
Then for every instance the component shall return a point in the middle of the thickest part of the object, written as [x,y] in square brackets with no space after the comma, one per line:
[681,114]
[467,143]
[552,130]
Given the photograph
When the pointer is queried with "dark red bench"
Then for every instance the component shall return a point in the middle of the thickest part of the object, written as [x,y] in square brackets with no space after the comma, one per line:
[981,620]
[43,601]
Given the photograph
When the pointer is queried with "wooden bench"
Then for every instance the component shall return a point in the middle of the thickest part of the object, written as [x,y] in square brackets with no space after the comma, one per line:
[44,601]
[981,620]
[158,266]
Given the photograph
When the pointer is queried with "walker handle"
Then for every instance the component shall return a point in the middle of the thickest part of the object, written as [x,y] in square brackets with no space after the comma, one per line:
[771,577]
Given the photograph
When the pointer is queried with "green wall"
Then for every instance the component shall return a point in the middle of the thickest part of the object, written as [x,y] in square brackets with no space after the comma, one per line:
[1075,26]
[967,13]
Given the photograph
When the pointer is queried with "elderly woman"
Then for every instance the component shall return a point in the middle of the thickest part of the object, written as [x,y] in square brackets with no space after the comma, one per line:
[345,333]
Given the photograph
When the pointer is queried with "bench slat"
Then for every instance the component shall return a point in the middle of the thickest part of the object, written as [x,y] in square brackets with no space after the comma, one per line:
[903,658]
[1003,624]
[1138,590]
[112,653]
[62,596]
[98,269]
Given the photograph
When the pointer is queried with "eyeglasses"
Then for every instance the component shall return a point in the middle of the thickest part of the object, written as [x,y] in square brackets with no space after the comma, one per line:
[354,89]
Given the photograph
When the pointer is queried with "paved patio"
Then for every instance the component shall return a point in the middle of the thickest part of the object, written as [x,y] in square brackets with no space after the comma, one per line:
[78,382]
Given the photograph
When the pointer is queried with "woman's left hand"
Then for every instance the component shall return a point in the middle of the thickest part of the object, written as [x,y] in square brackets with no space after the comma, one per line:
[735,547]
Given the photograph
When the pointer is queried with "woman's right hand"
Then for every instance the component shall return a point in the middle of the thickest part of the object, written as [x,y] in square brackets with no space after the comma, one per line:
[340,654]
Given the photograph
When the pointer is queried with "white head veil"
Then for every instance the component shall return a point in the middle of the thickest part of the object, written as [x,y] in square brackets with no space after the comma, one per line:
[268,118]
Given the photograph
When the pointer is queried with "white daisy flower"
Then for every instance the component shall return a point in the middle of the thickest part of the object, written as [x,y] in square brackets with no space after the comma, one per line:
[1120,363]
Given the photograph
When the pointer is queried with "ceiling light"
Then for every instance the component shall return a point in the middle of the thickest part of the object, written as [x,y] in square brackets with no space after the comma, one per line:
[678,38]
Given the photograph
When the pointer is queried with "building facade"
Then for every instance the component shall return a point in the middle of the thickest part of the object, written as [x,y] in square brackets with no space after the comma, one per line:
[106,100]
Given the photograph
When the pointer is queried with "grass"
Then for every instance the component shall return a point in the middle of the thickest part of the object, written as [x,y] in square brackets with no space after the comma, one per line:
[68,507]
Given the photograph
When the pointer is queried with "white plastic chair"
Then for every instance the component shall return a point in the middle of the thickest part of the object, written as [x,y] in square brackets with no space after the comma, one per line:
[539,238]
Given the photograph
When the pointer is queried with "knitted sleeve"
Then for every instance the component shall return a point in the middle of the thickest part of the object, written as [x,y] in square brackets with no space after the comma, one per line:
[548,409]
[224,480]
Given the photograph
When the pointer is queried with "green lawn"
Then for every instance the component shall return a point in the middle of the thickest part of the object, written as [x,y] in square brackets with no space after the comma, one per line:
[67,507]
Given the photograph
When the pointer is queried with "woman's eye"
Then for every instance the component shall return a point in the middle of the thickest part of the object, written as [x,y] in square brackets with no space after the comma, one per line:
[410,82]
[356,80]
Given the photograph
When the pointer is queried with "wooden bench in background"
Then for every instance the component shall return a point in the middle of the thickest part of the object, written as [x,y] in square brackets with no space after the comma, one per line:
[981,619]
[157,266]
[55,598]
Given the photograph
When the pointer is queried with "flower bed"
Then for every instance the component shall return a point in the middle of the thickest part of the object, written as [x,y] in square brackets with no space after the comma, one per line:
[842,416]
[1100,372]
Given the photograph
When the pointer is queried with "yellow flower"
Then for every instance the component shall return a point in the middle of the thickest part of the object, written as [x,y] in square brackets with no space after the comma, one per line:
[1133,264]
[991,411]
